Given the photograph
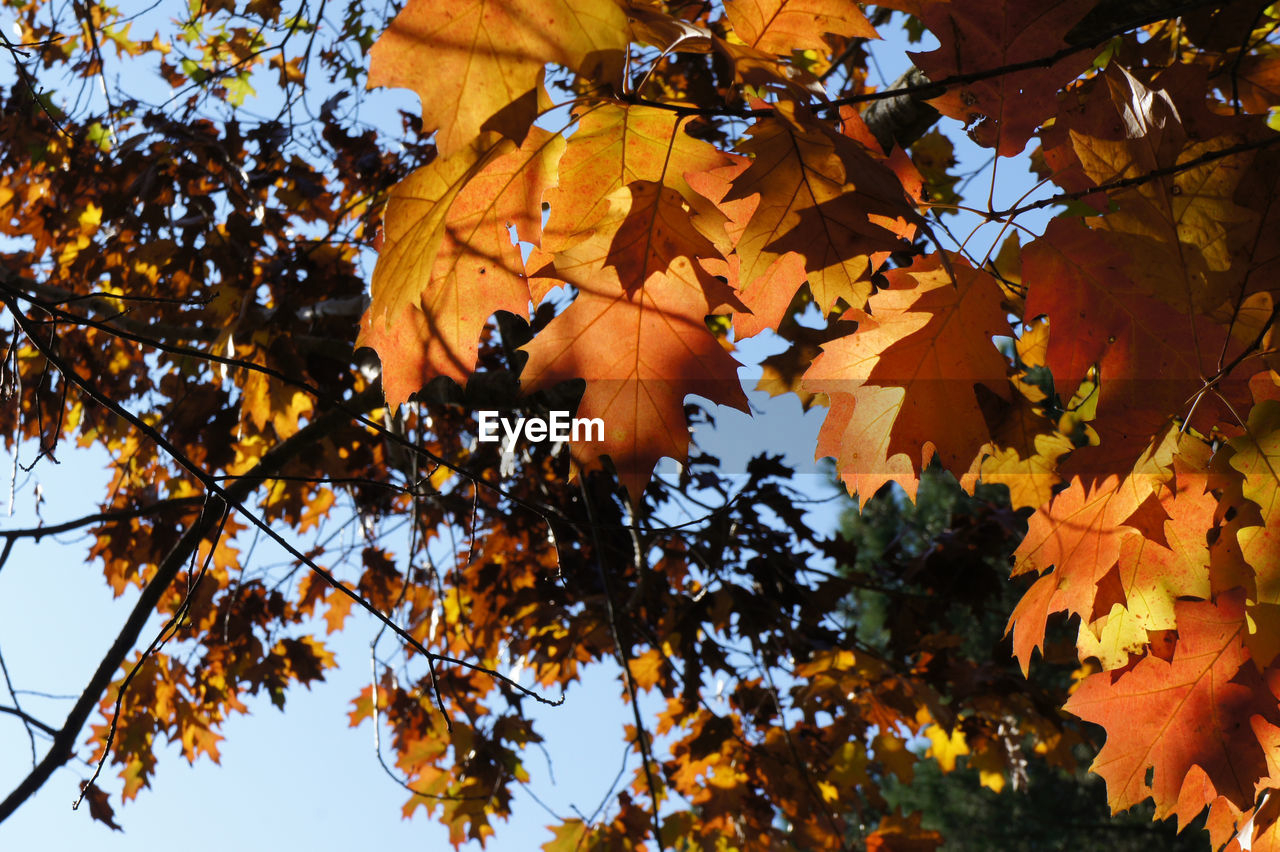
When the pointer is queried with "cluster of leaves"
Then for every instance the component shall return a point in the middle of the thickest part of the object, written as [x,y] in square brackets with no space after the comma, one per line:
[186,290]
[1149,304]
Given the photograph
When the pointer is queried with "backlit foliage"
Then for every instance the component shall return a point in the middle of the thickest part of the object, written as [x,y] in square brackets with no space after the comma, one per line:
[595,201]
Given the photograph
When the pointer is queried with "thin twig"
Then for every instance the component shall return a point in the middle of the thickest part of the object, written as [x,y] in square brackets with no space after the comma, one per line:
[642,735]
[17,709]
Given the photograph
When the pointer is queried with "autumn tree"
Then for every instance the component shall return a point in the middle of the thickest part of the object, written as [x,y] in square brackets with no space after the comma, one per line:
[592,207]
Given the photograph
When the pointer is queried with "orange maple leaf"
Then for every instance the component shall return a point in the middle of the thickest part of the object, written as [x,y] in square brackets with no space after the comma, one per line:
[911,370]
[476,63]
[822,196]
[1080,535]
[636,333]
[1194,710]
[781,26]
[448,263]
[614,146]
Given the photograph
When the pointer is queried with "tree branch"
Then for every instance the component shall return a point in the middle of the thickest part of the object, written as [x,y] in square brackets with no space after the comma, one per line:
[622,649]
[115,320]
[900,113]
[64,739]
[233,496]
[28,719]
[1137,180]
[40,532]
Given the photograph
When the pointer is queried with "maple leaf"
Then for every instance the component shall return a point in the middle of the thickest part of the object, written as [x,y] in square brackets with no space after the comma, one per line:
[1257,457]
[1175,280]
[614,146]
[1157,565]
[772,293]
[1002,111]
[759,73]
[910,372]
[636,333]
[1193,710]
[1259,85]
[1152,360]
[470,61]
[781,26]
[1257,545]
[1154,573]
[1080,533]
[1022,455]
[448,262]
[823,197]
[903,834]
[1184,233]
[265,399]
[569,836]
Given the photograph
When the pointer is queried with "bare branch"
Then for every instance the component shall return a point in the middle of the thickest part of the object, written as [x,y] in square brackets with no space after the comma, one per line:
[29,720]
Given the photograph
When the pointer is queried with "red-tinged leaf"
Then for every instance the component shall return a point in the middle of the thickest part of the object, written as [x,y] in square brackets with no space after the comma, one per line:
[1029,617]
[448,263]
[471,60]
[858,439]
[823,197]
[773,291]
[99,805]
[1259,828]
[781,26]
[1151,359]
[911,369]
[1185,234]
[636,334]
[974,36]
[1194,710]
[1259,82]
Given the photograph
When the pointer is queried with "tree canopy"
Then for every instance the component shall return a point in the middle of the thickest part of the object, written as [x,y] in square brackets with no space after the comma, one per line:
[286,324]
